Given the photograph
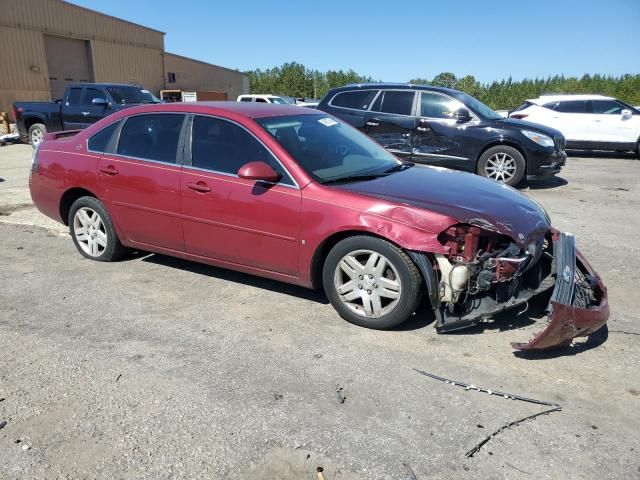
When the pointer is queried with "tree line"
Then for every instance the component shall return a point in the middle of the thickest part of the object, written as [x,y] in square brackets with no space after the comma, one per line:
[295,80]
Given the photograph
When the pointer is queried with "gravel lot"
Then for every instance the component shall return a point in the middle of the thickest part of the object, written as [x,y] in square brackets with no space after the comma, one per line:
[161,368]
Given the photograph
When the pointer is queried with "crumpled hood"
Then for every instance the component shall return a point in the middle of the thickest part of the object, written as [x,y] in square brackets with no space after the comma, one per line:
[463,196]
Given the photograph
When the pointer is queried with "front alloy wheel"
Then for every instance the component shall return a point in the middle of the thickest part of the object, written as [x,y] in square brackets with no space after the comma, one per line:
[371,282]
[367,283]
[500,167]
[503,164]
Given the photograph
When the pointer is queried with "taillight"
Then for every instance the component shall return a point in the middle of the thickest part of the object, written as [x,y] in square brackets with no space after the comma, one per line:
[16,111]
[518,116]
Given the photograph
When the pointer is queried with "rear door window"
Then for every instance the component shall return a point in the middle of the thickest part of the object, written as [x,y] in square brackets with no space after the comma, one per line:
[357,99]
[399,102]
[221,146]
[572,106]
[74,96]
[151,137]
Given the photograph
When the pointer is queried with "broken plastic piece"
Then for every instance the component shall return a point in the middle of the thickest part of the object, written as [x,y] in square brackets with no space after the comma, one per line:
[569,321]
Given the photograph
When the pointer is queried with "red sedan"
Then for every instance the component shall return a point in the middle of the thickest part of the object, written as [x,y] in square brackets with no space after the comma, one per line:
[296,195]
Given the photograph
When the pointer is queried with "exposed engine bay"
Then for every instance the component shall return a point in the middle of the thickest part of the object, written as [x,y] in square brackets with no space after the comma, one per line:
[485,272]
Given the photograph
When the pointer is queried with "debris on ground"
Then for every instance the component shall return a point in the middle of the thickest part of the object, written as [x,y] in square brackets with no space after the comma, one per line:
[319,471]
[341,398]
[9,138]
[118,377]
[477,448]
[467,386]
[3,424]
[410,470]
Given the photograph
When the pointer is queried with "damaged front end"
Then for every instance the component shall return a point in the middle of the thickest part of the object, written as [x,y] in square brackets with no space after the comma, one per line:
[486,272]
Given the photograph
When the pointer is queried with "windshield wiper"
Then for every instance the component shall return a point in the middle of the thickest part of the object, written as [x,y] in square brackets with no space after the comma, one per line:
[400,167]
[354,178]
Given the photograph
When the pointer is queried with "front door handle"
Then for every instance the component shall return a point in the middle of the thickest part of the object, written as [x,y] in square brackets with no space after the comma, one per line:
[371,123]
[199,187]
[109,170]
[85,113]
[423,129]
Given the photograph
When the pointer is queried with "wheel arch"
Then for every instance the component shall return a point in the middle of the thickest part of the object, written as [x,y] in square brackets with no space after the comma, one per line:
[32,120]
[502,142]
[70,196]
[323,249]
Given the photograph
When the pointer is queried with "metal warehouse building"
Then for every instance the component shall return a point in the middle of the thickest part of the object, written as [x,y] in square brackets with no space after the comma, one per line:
[46,44]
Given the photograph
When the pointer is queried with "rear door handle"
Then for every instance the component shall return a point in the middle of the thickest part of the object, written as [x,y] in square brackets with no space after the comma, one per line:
[199,187]
[373,124]
[423,129]
[85,113]
[109,170]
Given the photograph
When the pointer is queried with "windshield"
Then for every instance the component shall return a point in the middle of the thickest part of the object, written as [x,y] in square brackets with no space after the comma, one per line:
[329,150]
[124,94]
[479,107]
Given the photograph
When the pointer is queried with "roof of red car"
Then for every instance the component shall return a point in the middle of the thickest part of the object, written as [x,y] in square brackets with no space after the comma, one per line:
[248,109]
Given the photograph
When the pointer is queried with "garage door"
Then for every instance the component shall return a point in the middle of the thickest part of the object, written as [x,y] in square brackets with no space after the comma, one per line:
[68,62]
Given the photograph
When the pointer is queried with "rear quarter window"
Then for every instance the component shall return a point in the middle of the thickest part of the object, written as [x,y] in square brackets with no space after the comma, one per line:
[357,99]
[98,141]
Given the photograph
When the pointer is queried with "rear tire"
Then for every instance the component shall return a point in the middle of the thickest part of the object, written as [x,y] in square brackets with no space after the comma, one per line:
[502,164]
[92,231]
[37,131]
[371,282]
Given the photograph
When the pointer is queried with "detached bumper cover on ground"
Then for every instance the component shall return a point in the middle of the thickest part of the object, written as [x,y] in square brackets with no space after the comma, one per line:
[579,304]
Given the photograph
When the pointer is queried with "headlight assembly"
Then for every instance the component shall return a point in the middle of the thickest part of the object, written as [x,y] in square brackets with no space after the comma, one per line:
[539,138]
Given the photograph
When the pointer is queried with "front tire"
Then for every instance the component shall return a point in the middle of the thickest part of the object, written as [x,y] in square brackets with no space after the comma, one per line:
[37,131]
[502,164]
[92,231]
[371,282]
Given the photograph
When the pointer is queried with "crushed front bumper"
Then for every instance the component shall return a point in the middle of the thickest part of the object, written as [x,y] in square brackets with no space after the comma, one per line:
[572,313]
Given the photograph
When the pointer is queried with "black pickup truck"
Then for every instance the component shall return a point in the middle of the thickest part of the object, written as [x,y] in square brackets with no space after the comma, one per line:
[82,105]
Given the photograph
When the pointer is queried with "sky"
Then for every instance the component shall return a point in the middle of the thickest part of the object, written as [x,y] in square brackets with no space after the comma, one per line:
[389,41]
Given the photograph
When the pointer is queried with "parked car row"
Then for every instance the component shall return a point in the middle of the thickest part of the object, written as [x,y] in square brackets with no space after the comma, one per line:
[445,127]
[279,99]
[298,195]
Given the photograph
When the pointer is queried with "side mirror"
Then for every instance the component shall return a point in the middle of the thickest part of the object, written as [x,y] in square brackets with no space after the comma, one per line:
[462,115]
[626,113]
[99,102]
[258,171]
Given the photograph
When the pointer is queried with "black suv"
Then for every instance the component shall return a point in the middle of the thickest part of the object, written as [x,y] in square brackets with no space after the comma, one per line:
[448,128]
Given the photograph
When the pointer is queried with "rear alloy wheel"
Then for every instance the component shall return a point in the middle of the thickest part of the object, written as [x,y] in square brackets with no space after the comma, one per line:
[92,230]
[37,131]
[502,164]
[371,282]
